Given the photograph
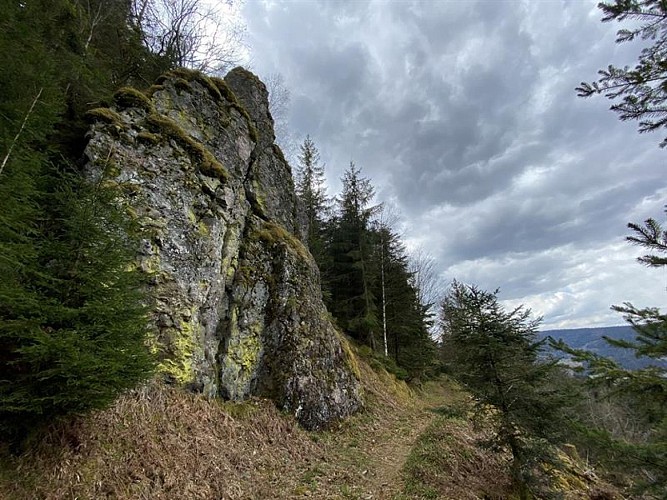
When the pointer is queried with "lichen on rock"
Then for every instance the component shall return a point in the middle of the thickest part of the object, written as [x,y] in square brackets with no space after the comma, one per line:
[238,309]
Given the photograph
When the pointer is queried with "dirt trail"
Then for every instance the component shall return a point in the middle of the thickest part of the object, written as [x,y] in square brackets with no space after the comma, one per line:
[388,454]
[364,459]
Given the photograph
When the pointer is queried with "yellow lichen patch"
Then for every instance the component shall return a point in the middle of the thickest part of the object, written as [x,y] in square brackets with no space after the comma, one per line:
[105,115]
[273,233]
[244,350]
[180,350]
[151,265]
[128,97]
[203,229]
[207,163]
[192,217]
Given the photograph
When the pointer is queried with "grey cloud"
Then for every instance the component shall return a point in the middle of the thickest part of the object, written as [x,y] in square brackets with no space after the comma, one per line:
[464,114]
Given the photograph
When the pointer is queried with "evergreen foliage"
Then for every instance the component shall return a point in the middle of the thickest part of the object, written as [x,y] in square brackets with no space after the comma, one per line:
[311,191]
[643,392]
[639,92]
[72,310]
[353,302]
[364,266]
[73,324]
[406,319]
[494,353]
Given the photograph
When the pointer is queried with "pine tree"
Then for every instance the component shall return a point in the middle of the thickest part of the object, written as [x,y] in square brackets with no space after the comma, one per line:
[494,354]
[311,191]
[353,303]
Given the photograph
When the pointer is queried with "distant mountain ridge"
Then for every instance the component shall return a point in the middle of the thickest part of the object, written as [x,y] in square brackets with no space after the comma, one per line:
[591,339]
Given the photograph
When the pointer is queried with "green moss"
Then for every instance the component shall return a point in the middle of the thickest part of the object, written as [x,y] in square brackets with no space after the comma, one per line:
[225,90]
[190,75]
[153,89]
[202,157]
[182,84]
[105,115]
[128,97]
[148,138]
[234,103]
[273,233]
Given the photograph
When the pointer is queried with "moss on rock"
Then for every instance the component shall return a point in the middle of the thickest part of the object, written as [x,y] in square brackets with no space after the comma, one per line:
[350,357]
[105,115]
[229,95]
[273,233]
[202,157]
[148,138]
[128,97]
[190,75]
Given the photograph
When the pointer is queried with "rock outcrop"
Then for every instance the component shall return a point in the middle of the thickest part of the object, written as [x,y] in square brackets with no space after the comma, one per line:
[238,309]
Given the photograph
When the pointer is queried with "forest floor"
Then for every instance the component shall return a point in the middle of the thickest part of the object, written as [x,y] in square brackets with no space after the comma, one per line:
[160,442]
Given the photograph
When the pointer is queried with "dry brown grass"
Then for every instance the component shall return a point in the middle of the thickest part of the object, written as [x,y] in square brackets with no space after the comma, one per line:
[162,443]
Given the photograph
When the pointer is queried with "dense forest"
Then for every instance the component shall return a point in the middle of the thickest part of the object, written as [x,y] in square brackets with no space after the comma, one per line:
[74,330]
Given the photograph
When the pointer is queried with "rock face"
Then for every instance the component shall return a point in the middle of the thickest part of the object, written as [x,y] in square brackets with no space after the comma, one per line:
[238,310]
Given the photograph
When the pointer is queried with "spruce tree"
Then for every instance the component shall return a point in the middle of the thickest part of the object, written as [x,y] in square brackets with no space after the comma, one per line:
[642,392]
[311,191]
[495,355]
[405,318]
[353,303]
[72,318]
[73,325]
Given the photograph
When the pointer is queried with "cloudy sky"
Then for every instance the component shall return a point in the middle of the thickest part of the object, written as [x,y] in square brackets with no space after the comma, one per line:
[464,116]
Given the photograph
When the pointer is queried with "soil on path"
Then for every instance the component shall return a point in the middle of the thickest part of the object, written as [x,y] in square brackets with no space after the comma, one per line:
[364,458]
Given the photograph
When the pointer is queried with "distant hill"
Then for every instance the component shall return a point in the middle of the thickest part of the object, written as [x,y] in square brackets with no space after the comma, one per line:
[591,339]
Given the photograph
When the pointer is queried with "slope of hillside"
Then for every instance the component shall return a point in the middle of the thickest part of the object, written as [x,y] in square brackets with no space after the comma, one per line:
[160,442]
